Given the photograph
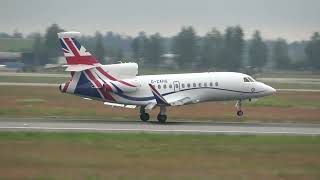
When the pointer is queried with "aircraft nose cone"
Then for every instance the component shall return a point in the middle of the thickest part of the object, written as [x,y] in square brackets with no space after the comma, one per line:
[269,90]
[273,90]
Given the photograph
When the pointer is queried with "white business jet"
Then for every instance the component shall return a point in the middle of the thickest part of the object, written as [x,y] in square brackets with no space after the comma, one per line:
[120,85]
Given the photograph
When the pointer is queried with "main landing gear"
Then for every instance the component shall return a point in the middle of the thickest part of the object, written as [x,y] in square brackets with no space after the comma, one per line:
[143,115]
[238,107]
[162,117]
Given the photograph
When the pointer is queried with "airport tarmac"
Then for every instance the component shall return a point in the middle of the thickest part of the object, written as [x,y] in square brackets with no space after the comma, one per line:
[171,127]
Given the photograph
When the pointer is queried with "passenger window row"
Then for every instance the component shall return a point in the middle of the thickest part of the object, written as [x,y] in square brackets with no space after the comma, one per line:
[187,85]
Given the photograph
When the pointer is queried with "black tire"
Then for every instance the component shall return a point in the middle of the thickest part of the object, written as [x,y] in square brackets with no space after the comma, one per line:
[144,117]
[240,113]
[162,118]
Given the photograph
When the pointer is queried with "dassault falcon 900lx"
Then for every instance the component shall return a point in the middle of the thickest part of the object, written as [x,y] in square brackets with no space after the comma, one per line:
[119,84]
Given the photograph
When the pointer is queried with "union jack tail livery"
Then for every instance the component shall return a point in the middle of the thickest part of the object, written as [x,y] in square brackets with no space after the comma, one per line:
[77,57]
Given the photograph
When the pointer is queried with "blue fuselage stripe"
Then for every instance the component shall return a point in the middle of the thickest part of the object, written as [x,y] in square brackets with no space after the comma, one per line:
[165,94]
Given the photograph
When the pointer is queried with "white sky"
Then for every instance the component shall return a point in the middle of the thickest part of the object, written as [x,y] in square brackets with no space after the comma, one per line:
[291,19]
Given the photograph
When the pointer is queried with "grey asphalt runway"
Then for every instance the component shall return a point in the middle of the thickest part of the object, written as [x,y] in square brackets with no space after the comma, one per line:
[172,127]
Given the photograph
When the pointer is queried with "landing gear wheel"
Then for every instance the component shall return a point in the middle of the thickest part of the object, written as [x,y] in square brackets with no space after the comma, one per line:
[144,117]
[162,118]
[240,113]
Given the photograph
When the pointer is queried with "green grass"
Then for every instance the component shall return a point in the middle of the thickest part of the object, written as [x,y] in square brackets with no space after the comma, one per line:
[15,45]
[23,101]
[285,101]
[34,155]
[289,74]
[26,79]
[294,86]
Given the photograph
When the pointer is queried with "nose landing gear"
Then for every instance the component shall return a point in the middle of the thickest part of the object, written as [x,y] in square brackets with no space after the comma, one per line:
[238,107]
[162,117]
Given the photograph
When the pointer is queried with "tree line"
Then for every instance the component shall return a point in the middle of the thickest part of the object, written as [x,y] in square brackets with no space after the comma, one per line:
[216,50]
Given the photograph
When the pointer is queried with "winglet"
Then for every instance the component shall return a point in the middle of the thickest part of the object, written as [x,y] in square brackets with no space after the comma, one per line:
[159,98]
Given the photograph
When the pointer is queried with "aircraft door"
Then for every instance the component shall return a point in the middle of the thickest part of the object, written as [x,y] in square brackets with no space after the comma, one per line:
[176,86]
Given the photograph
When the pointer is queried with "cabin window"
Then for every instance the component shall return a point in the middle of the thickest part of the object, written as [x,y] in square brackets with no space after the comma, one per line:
[194,85]
[165,86]
[188,85]
[211,84]
[205,85]
[199,84]
[170,86]
[182,85]
[252,80]
[246,79]
[217,84]
[159,86]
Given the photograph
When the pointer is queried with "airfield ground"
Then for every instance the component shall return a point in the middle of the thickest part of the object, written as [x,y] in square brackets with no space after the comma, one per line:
[45,155]
[151,156]
[22,101]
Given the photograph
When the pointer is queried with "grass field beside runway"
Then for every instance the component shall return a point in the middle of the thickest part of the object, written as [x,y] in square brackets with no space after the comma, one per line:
[28,79]
[15,45]
[153,156]
[22,101]
[288,74]
[294,86]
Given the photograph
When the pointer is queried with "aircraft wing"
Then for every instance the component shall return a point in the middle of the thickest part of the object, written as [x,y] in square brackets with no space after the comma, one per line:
[162,101]
[120,105]
[183,101]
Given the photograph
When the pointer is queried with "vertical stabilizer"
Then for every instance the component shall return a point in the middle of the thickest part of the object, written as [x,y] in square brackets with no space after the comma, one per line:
[78,59]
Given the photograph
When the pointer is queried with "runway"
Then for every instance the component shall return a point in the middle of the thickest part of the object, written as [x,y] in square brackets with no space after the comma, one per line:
[172,127]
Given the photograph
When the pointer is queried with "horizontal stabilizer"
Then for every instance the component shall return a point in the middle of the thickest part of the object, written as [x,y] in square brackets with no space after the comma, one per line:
[69,34]
[79,67]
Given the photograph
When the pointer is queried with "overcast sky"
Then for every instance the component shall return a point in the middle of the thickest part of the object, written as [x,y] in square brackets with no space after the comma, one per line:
[291,19]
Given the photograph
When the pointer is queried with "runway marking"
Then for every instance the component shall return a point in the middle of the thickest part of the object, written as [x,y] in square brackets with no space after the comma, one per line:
[164,130]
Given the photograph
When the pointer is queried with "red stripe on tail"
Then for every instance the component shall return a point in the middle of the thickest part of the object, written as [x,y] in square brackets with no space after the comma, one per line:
[92,78]
[103,93]
[66,87]
[87,60]
[71,46]
[106,95]
[112,78]
[106,74]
